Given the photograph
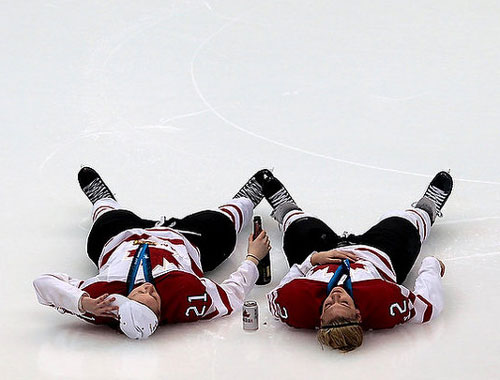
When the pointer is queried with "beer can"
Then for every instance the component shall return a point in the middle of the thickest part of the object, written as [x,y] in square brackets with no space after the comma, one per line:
[250,315]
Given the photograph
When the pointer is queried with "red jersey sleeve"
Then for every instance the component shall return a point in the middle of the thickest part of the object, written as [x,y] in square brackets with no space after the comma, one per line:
[184,298]
[298,303]
[382,304]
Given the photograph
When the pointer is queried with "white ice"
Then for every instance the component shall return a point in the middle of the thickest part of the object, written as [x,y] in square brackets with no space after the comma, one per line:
[355,104]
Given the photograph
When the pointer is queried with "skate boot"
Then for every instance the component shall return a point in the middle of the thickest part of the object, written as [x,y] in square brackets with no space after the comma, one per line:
[253,188]
[92,185]
[278,197]
[436,195]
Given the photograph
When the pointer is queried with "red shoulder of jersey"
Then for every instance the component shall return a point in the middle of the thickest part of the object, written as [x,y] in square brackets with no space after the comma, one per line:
[183,297]
[381,303]
[298,303]
[99,288]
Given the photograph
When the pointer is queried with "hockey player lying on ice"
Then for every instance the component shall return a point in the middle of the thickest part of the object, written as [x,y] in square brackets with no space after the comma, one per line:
[151,272]
[373,266]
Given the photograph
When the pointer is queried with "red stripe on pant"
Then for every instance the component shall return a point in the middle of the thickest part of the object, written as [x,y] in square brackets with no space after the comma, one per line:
[238,210]
[230,215]
[99,210]
[423,222]
[291,216]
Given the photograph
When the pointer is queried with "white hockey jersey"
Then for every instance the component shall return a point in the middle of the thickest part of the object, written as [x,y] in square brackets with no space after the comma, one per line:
[185,293]
[298,299]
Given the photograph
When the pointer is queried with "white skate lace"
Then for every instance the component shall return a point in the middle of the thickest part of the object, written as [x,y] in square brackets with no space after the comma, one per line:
[438,196]
[97,190]
[281,196]
[251,190]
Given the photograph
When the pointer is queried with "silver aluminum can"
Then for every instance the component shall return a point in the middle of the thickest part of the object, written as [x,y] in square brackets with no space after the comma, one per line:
[250,315]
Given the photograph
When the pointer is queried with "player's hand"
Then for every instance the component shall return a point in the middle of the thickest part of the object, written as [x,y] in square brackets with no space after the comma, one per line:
[332,256]
[443,267]
[100,306]
[259,247]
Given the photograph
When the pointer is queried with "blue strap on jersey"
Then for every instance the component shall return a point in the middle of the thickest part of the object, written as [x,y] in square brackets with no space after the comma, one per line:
[141,256]
[343,269]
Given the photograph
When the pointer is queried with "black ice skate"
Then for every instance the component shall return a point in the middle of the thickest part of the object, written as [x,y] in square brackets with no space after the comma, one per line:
[436,195]
[275,192]
[253,188]
[92,185]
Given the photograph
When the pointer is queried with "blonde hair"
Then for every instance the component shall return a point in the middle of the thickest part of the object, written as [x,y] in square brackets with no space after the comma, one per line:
[342,334]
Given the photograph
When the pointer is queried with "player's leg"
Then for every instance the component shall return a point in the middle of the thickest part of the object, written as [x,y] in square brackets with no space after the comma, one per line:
[397,235]
[302,233]
[108,218]
[214,232]
[400,234]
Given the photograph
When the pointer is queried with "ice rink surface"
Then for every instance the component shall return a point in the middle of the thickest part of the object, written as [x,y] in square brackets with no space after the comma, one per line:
[355,104]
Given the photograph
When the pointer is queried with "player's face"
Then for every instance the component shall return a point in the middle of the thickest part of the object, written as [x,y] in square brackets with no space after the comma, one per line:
[338,304]
[147,295]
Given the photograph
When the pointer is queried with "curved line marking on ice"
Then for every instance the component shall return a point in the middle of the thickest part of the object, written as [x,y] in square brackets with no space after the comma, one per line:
[473,256]
[287,146]
[160,126]
[82,136]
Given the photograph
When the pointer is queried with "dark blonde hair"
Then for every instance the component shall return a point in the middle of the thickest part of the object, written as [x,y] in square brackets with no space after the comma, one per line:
[342,334]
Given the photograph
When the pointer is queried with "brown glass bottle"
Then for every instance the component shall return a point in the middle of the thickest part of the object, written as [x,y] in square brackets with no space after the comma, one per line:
[264,266]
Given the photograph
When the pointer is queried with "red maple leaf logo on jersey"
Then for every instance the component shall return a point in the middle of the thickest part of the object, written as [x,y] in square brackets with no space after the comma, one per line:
[331,268]
[157,256]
